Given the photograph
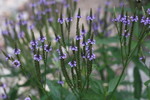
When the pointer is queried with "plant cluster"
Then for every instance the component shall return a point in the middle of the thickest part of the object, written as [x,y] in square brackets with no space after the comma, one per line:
[59,64]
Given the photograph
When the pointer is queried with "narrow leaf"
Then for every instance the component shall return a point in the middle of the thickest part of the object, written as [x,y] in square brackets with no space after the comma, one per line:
[137,83]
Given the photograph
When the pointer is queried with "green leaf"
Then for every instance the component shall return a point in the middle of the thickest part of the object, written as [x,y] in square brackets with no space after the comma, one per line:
[146,43]
[107,40]
[34,98]
[148,92]
[97,86]
[110,72]
[124,95]
[54,90]
[129,98]
[71,97]
[141,66]
[45,97]
[147,83]
[13,93]
[137,83]
[91,95]
[113,83]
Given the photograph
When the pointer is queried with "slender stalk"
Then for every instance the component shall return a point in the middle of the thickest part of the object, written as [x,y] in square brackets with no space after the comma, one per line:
[124,67]
[109,97]
[62,35]
[78,54]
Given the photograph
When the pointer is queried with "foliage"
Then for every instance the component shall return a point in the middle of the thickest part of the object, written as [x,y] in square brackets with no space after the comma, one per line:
[58,64]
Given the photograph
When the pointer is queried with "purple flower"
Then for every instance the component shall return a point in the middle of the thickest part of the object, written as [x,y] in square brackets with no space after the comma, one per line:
[84,43]
[125,20]
[148,11]
[27,98]
[47,3]
[125,34]
[141,58]
[37,57]
[12,24]
[78,37]
[32,47]
[90,18]
[95,26]
[63,56]
[58,51]
[21,34]
[39,17]
[47,48]
[20,16]
[8,57]
[91,41]
[51,19]
[91,56]
[83,32]
[72,63]
[78,16]
[117,19]
[67,5]
[22,22]
[38,13]
[88,49]
[107,3]
[16,63]
[7,22]
[3,85]
[60,82]
[134,18]
[145,20]
[34,43]
[57,38]
[48,10]
[69,19]
[5,32]
[74,48]
[3,96]
[56,10]
[83,56]
[122,4]
[33,5]
[40,2]
[75,0]
[99,9]
[43,12]
[31,27]
[17,51]
[52,2]
[42,38]
[61,20]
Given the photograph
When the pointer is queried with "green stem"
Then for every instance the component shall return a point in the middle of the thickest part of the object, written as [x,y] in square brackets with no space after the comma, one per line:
[124,66]
[62,35]
[109,98]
